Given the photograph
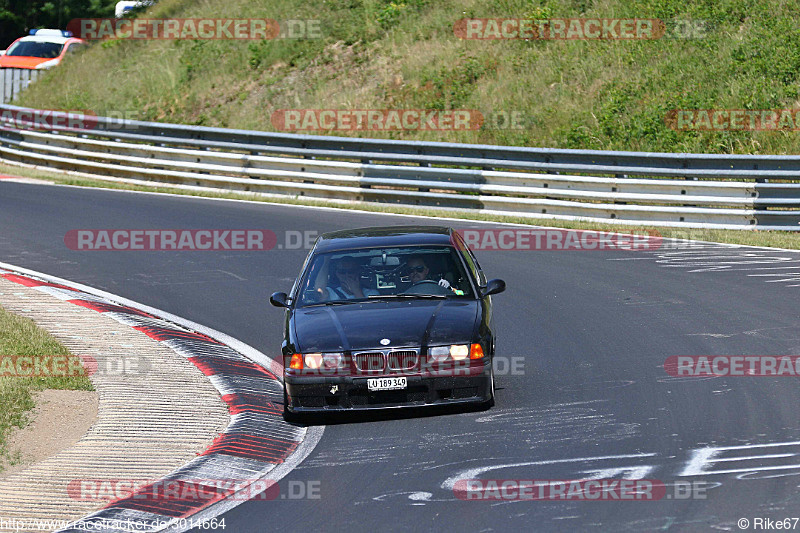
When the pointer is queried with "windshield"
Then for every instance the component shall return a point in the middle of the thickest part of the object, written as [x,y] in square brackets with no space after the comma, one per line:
[35,49]
[385,273]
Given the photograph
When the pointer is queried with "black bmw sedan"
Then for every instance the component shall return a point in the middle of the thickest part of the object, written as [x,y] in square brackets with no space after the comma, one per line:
[388,317]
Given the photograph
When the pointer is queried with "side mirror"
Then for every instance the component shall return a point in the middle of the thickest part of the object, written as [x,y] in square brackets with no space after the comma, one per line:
[278,299]
[494,286]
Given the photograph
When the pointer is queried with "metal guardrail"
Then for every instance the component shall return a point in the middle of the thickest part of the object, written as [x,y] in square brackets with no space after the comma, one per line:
[683,190]
[15,80]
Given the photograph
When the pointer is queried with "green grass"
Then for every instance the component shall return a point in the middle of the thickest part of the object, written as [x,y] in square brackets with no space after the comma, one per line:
[21,336]
[393,54]
[778,239]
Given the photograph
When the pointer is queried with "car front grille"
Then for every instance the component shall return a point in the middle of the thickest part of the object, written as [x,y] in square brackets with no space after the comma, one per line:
[402,359]
[374,362]
[370,362]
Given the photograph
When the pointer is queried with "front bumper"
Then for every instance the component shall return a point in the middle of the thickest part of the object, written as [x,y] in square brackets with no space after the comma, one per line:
[315,394]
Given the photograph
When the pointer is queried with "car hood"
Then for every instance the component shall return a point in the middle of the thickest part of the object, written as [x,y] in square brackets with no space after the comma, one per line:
[22,61]
[405,323]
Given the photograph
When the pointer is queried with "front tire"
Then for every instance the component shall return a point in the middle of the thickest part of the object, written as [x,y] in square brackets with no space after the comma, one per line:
[288,416]
[488,404]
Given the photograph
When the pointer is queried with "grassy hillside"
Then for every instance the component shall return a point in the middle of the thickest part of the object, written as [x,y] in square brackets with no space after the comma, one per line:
[379,54]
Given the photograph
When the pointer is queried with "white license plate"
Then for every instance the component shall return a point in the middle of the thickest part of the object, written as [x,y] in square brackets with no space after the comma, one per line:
[387,383]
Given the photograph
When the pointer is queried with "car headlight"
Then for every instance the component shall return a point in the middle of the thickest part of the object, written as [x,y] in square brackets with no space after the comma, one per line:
[459,351]
[456,352]
[333,360]
[313,360]
[316,361]
[437,354]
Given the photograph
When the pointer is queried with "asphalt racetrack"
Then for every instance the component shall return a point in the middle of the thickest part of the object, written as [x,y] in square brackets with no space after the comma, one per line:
[588,333]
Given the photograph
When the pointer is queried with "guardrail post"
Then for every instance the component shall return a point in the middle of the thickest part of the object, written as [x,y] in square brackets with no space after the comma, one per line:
[758,179]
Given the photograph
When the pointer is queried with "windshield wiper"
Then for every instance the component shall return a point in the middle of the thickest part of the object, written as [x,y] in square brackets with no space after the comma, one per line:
[336,302]
[435,296]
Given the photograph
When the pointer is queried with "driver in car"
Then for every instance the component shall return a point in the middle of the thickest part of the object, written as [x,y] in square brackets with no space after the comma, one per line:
[419,271]
[347,271]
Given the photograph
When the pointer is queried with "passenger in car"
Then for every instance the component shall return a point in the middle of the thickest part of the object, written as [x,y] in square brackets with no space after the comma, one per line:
[345,284]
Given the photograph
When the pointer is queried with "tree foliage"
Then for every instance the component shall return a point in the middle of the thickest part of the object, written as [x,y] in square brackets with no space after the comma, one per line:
[17,17]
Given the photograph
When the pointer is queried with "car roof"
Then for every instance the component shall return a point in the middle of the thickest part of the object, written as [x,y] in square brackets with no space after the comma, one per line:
[45,39]
[384,236]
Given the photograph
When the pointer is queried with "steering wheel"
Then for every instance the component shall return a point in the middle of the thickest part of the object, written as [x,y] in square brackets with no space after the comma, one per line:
[425,287]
